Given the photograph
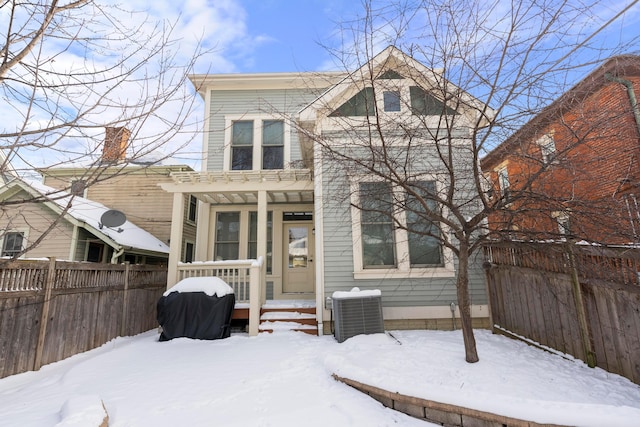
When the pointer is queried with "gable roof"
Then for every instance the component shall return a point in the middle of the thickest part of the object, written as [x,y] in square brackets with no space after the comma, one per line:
[86,214]
[393,59]
[617,66]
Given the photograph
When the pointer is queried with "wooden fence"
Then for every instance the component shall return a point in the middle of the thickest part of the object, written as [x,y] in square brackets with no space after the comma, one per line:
[50,310]
[577,299]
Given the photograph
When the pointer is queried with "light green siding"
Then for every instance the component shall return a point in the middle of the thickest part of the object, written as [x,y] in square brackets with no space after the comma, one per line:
[234,102]
[339,245]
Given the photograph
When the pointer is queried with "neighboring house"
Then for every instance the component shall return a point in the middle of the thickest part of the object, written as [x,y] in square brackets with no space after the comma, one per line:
[574,169]
[265,191]
[129,187]
[73,232]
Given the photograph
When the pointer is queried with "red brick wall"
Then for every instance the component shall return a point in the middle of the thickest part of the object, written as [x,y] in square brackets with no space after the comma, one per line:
[598,155]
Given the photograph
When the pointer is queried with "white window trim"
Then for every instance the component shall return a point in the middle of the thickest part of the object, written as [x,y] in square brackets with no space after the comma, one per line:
[559,217]
[184,251]
[403,269]
[257,138]
[25,239]
[546,141]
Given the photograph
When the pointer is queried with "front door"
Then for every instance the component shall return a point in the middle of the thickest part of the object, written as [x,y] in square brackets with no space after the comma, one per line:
[299,274]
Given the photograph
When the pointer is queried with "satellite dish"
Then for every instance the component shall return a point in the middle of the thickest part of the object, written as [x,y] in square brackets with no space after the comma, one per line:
[112,218]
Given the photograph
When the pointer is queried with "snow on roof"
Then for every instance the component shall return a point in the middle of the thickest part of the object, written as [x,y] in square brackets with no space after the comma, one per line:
[209,285]
[90,212]
[356,293]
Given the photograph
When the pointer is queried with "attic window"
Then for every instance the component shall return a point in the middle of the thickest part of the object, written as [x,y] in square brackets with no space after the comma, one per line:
[391,75]
[425,104]
[361,104]
[391,100]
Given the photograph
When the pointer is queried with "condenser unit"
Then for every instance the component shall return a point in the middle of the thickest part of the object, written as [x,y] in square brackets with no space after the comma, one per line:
[357,313]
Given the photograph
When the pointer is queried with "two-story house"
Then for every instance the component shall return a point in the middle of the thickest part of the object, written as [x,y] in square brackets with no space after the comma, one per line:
[573,170]
[268,192]
[131,187]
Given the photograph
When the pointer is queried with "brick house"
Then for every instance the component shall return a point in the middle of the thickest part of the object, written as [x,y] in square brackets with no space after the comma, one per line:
[573,170]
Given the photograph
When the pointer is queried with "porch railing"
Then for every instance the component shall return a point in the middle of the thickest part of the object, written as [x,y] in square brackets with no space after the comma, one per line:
[244,276]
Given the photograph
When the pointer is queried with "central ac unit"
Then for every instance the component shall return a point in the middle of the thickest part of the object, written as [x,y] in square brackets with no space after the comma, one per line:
[357,313]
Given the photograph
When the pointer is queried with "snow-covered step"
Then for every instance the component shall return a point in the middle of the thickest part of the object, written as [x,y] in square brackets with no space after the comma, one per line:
[279,325]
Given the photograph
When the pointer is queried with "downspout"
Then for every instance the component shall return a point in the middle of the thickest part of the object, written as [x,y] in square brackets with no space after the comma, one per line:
[116,255]
[632,96]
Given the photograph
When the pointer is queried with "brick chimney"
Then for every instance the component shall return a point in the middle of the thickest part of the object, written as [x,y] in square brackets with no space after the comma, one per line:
[115,144]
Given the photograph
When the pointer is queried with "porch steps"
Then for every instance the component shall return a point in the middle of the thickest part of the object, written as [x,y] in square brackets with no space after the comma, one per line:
[301,319]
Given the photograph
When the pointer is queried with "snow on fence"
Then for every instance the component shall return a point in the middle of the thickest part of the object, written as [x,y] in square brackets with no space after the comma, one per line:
[577,299]
[50,310]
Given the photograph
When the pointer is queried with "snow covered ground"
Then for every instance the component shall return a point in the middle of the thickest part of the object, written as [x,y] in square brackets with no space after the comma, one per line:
[284,379]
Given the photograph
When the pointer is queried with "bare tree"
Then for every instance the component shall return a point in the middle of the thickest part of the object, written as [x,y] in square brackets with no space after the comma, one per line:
[488,68]
[69,69]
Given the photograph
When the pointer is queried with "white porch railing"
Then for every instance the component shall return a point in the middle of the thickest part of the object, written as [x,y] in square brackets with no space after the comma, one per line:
[244,276]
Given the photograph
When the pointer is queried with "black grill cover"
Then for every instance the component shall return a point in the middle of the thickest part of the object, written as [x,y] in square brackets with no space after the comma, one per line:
[195,315]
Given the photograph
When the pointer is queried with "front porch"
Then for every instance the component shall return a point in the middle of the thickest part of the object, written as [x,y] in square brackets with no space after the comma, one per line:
[263,315]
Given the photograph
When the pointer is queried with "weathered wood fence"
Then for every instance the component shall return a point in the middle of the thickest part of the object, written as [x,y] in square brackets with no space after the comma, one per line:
[578,299]
[50,310]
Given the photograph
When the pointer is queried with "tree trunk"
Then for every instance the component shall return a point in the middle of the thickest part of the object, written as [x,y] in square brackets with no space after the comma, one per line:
[464,304]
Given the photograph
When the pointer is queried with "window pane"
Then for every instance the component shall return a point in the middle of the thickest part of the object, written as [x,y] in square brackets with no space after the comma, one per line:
[378,244]
[361,104]
[227,236]
[273,132]
[242,145]
[423,234]
[242,158]
[391,100]
[242,133]
[273,157]
[12,243]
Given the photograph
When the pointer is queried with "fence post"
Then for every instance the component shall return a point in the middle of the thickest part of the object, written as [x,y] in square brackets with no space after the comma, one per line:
[44,317]
[125,299]
[583,325]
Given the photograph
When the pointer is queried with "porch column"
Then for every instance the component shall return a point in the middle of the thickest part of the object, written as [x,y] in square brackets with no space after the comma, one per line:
[255,301]
[175,244]
[262,237]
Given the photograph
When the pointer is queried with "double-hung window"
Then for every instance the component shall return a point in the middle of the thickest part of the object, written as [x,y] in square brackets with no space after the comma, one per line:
[396,234]
[12,243]
[242,145]
[422,233]
[503,182]
[272,144]
[259,143]
[376,221]
[227,245]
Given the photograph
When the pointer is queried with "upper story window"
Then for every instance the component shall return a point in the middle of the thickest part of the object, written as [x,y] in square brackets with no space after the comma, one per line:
[391,100]
[12,243]
[272,144]
[547,149]
[242,145]
[259,143]
[503,182]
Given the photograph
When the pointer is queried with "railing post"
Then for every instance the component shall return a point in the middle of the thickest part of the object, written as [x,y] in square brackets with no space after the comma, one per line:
[254,297]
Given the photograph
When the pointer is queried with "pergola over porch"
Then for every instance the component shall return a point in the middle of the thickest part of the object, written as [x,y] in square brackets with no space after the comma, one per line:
[260,188]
